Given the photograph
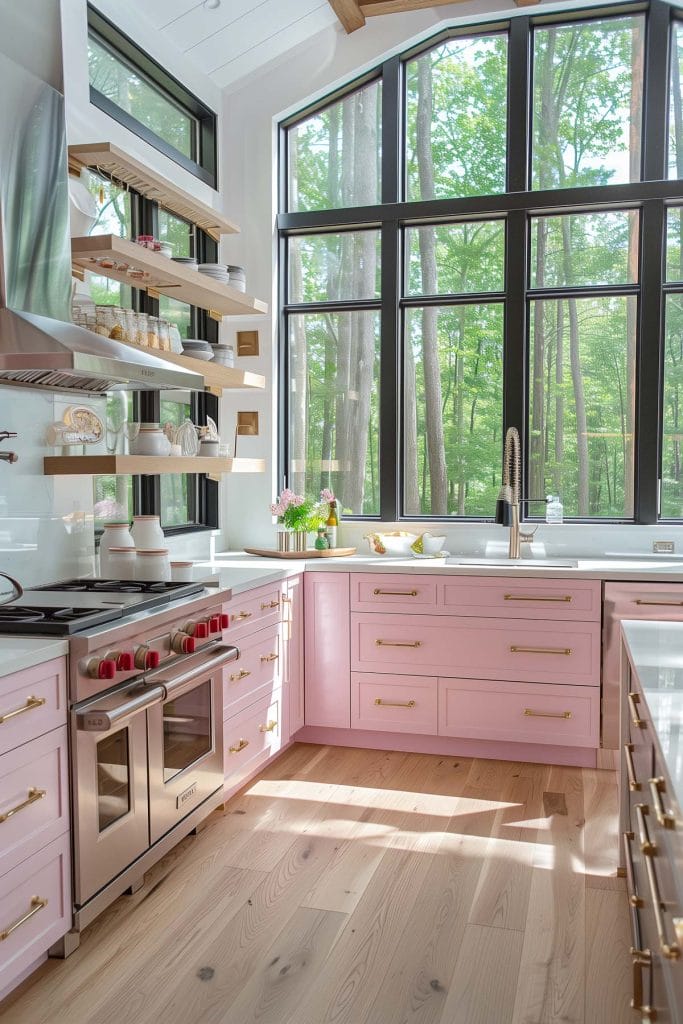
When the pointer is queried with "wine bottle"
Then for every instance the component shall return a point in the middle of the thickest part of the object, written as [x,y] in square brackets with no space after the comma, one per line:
[331,524]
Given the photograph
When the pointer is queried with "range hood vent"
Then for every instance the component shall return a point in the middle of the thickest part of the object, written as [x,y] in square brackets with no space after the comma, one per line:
[40,352]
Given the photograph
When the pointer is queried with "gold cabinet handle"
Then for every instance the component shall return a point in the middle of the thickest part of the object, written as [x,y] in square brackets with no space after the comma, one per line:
[240,746]
[37,904]
[646,844]
[243,615]
[242,674]
[395,704]
[665,818]
[269,657]
[547,714]
[633,783]
[270,604]
[564,598]
[31,703]
[516,649]
[394,593]
[33,795]
[633,897]
[269,726]
[633,701]
[398,643]
[641,958]
[286,600]
[664,604]
[671,950]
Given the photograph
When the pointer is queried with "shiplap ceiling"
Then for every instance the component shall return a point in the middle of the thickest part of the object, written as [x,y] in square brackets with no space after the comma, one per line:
[239,36]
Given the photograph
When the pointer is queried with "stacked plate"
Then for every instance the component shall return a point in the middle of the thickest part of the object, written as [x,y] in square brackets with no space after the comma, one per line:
[189,262]
[216,271]
[197,349]
[224,354]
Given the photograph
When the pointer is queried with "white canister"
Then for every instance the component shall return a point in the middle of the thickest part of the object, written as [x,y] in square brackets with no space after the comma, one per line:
[120,564]
[150,441]
[152,565]
[115,535]
[182,572]
[147,533]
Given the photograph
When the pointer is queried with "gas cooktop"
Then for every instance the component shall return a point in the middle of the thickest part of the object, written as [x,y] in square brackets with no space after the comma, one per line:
[53,620]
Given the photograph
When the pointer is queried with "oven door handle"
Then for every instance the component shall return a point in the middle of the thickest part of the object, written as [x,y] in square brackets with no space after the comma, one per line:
[98,717]
[224,655]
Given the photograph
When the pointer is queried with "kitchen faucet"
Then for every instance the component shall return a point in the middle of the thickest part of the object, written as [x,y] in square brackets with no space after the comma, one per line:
[8,456]
[508,503]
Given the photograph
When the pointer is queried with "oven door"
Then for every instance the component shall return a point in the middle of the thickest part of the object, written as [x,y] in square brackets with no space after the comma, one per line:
[185,739]
[111,808]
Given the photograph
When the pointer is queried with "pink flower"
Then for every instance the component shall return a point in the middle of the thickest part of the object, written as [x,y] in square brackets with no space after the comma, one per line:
[326,494]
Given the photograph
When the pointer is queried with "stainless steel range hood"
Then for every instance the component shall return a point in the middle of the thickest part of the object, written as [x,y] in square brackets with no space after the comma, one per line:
[40,352]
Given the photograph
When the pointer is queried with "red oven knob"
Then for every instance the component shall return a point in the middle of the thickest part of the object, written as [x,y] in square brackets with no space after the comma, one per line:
[215,624]
[125,660]
[225,621]
[101,668]
[199,630]
[146,659]
[181,643]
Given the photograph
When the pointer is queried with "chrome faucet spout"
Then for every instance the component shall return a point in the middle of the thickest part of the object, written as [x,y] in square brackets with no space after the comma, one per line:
[508,504]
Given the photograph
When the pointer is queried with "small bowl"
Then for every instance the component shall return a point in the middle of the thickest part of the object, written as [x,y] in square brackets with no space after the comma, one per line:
[209,448]
[432,545]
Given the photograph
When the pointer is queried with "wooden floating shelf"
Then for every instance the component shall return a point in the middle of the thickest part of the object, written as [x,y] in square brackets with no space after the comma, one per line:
[126,170]
[216,377]
[146,465]
[162,275]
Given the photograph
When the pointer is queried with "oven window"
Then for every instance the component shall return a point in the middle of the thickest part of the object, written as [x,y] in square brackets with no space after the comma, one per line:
[187,729]
[113,779]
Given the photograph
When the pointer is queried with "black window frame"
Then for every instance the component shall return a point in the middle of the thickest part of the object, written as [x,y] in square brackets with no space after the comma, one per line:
[651,195]
[204,164]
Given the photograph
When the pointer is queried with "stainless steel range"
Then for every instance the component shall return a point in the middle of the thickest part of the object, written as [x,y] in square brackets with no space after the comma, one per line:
[146,722]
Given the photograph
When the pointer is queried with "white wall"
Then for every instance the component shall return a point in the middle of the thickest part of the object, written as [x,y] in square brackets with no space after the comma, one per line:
[30,35]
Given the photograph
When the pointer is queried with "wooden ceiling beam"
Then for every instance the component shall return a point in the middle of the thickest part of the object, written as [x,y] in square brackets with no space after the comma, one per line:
[349,14]
[372,8]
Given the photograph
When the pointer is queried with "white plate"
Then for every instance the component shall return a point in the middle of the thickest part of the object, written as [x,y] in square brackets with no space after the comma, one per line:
[198,353]
[440,554]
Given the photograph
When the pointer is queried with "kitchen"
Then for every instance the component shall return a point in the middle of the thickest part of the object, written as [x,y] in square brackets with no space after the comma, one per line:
[433,777]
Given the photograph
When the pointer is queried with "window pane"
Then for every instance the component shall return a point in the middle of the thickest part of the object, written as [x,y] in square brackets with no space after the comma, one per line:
[334,395]
[456,111]
[335,155]
[675,101]
[674,248]
[113,218]
[456,258]
[178,313]
[335,266]
[179,232]
[672,450]
[453,410]
[111,76]
[581,388]
[587,102]
[584,249]
[113,495]
[177,490]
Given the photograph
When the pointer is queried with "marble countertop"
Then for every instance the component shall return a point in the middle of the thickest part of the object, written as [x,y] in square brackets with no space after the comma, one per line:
[20,652]
[655,650]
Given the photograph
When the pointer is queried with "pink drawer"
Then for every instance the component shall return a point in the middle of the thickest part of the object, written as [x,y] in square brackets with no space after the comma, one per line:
[480,648]
[35,902]
[32,702]
[258,665]
[577,600]
[520,712]
[251,738]
[389,592]
[34,793]
[394,704]
[253,610]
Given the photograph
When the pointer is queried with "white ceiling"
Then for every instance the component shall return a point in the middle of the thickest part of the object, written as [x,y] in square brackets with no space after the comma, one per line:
[240,35]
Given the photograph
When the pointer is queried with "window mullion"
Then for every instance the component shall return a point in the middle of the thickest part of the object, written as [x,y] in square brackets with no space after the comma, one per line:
[390,375]
[656,90]
[515,349]
[518,119]
[649,362]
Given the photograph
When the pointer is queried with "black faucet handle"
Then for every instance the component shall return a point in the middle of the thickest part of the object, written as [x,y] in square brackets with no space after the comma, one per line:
[6,434]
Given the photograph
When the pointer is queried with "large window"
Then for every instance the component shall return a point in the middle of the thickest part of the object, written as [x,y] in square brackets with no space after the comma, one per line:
[507,253]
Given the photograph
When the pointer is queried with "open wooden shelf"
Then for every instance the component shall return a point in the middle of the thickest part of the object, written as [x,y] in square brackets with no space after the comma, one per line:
[162,275]
[126,170]
[216,377]
[146,465]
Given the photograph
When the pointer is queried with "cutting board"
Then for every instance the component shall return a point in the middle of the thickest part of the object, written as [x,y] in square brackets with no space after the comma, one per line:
[309,553]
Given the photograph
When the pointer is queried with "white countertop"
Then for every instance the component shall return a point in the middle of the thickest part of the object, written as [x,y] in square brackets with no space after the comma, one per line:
[656,653]
[20,652]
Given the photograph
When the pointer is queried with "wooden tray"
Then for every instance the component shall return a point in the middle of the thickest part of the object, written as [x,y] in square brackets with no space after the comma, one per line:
[309,553]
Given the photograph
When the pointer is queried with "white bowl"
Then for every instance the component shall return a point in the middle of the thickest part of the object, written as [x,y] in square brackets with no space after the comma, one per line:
[393,543]
[432,545]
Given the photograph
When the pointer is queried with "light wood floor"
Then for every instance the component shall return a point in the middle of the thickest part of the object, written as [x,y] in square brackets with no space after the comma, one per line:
[366,887]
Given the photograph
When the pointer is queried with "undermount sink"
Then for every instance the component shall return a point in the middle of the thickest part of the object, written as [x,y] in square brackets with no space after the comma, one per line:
[519,563]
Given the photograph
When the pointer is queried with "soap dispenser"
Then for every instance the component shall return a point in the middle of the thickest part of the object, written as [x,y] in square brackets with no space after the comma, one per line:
[553,510]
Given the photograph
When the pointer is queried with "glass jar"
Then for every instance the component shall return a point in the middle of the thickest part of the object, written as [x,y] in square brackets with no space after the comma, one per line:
[153,332]
[164,336]
[104,320]
[141,329]
[130,327]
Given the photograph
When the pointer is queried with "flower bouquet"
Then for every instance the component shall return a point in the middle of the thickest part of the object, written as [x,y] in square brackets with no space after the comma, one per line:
[299,516]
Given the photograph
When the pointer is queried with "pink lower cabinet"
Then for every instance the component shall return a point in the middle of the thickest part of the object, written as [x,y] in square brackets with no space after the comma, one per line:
[32,702]
[327,654]
[293,651]
[257,668]
[520,712]
[251,738]
[394,703]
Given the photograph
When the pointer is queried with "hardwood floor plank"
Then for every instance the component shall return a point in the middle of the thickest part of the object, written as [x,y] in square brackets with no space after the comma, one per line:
[608,971]
[601,835]
[482,988]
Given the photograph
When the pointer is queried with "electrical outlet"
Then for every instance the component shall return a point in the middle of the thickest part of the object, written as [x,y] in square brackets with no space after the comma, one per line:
[663,547]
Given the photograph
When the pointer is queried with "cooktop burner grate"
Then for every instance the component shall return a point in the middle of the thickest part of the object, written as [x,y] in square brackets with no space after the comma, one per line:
[52,621]
[96,586]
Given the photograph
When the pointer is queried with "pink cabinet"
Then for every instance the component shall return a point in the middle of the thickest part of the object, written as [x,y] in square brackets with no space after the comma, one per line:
[31,703]
[394,592]
[252,610]
[250,739]
[571,600]
[293,651]
[256,672]
[394,703]
[327,652]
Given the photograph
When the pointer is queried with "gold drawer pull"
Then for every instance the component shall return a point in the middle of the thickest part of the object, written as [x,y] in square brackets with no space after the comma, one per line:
[633,700]
[271,724]
[243,615]
[633,897]
[665,818]
[37,904]
[646,845]
[398,643]
[671,950]
[31,703]
[33,795]
[269,657]
[394,704]
[633,783]
[663,604]
[242,674]
[565,598]
[286,600]
[270,604]
[394,593]
[515,649]
[240,746]
[547,714]
[641,958]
